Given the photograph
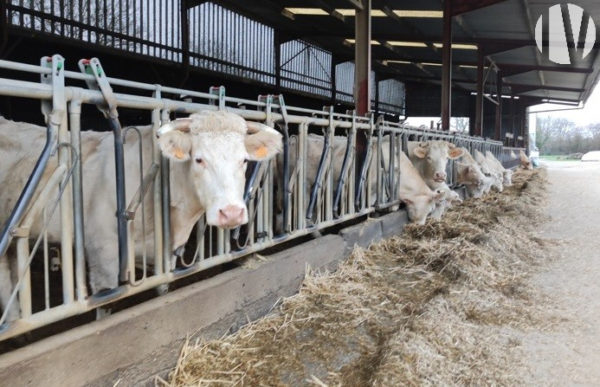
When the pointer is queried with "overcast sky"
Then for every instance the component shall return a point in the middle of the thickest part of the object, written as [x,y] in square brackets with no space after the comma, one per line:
[588,115]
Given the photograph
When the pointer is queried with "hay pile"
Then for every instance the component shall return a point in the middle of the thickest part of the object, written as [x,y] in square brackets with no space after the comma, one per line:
[433,306]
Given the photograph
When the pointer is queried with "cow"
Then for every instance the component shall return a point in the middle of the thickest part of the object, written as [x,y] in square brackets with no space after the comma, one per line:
[208,153]
[414,198]
[446,199]
[470,175]
[506,173]
[430,158]
[490,170]
[420,200]
[525,162]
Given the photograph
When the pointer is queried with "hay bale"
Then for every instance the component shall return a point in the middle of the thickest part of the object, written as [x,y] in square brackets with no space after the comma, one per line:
[428,307]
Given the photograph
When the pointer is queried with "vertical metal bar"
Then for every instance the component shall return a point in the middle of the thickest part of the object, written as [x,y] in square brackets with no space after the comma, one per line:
[277,44]
[301,175]
[332,80]
[46,266]
[78,221]
[378,166]
[185,33]
[159,267]
[362,58]
[498,129]
[166,203]
[479,100]
[66,218]
[362,73]
[447,66]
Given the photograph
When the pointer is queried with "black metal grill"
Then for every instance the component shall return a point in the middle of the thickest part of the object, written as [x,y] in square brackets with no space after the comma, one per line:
[213,38]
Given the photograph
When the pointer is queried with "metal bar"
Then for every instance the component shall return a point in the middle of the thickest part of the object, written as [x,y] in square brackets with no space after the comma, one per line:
[362,59]
[78,220]
[109,108]
[479,100]
[157,192]
[447,65]
[55,119]
[498,127]
[166,203]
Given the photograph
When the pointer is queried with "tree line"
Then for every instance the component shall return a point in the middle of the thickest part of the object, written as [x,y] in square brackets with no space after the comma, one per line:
[560,136]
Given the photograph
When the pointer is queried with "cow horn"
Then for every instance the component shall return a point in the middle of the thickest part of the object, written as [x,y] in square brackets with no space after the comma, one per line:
[181,124]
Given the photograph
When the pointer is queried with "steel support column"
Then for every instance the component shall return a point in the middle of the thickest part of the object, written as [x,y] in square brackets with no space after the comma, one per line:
[185,42]
[332,79]
[479,98]
[447,66]
[362,74]
[362,58]
[498,131]
[513,127]
[277,43]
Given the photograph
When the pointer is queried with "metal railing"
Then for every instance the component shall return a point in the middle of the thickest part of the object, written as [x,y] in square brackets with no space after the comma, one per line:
[341,189]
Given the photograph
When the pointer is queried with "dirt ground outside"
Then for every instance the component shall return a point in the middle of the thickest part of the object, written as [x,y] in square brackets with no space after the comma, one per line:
[569,355]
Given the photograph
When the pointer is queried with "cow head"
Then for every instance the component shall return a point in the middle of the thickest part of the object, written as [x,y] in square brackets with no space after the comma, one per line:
[471,176]
[435,155]
[420,206]
[215,148]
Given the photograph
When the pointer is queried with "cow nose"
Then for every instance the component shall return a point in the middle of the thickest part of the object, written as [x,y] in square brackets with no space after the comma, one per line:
[231,216]
[440,176]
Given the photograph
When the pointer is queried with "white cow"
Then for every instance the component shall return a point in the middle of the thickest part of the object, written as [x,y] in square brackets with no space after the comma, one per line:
[490,170]
[419,198]
[506,173]
[430,158]
[470,175]
[446,199]
[208,153]
[411,190]
[525,162]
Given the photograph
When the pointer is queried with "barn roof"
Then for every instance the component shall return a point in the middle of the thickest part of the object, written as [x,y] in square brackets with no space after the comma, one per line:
[407,36]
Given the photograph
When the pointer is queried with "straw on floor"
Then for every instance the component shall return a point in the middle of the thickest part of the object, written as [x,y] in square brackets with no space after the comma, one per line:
[432,306]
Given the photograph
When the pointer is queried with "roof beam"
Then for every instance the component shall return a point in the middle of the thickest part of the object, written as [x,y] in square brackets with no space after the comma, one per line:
[518,88]
[508,69]
[464,6]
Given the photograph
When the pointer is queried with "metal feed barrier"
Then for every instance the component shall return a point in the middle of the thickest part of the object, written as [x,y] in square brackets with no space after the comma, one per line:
[332,198]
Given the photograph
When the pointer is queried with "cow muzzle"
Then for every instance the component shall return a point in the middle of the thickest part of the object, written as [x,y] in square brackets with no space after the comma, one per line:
[439,177]
[231,216]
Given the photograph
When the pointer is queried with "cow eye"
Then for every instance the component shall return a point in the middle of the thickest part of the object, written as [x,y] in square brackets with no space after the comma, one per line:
[199,160]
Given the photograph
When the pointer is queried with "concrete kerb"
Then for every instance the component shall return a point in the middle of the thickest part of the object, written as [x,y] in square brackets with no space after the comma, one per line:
[135,344]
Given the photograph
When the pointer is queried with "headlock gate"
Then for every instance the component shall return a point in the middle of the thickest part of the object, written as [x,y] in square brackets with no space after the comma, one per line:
[282,203]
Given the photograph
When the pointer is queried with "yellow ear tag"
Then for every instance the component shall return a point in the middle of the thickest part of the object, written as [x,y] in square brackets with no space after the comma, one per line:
[179,153]
[261,152]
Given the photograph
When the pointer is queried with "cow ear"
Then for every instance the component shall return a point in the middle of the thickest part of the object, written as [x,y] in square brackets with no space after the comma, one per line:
[455,153]
[408,202]
[420,152]
[262,142]
[174,140]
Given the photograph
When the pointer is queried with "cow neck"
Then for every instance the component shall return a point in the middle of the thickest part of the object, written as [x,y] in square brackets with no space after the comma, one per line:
[185,207]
